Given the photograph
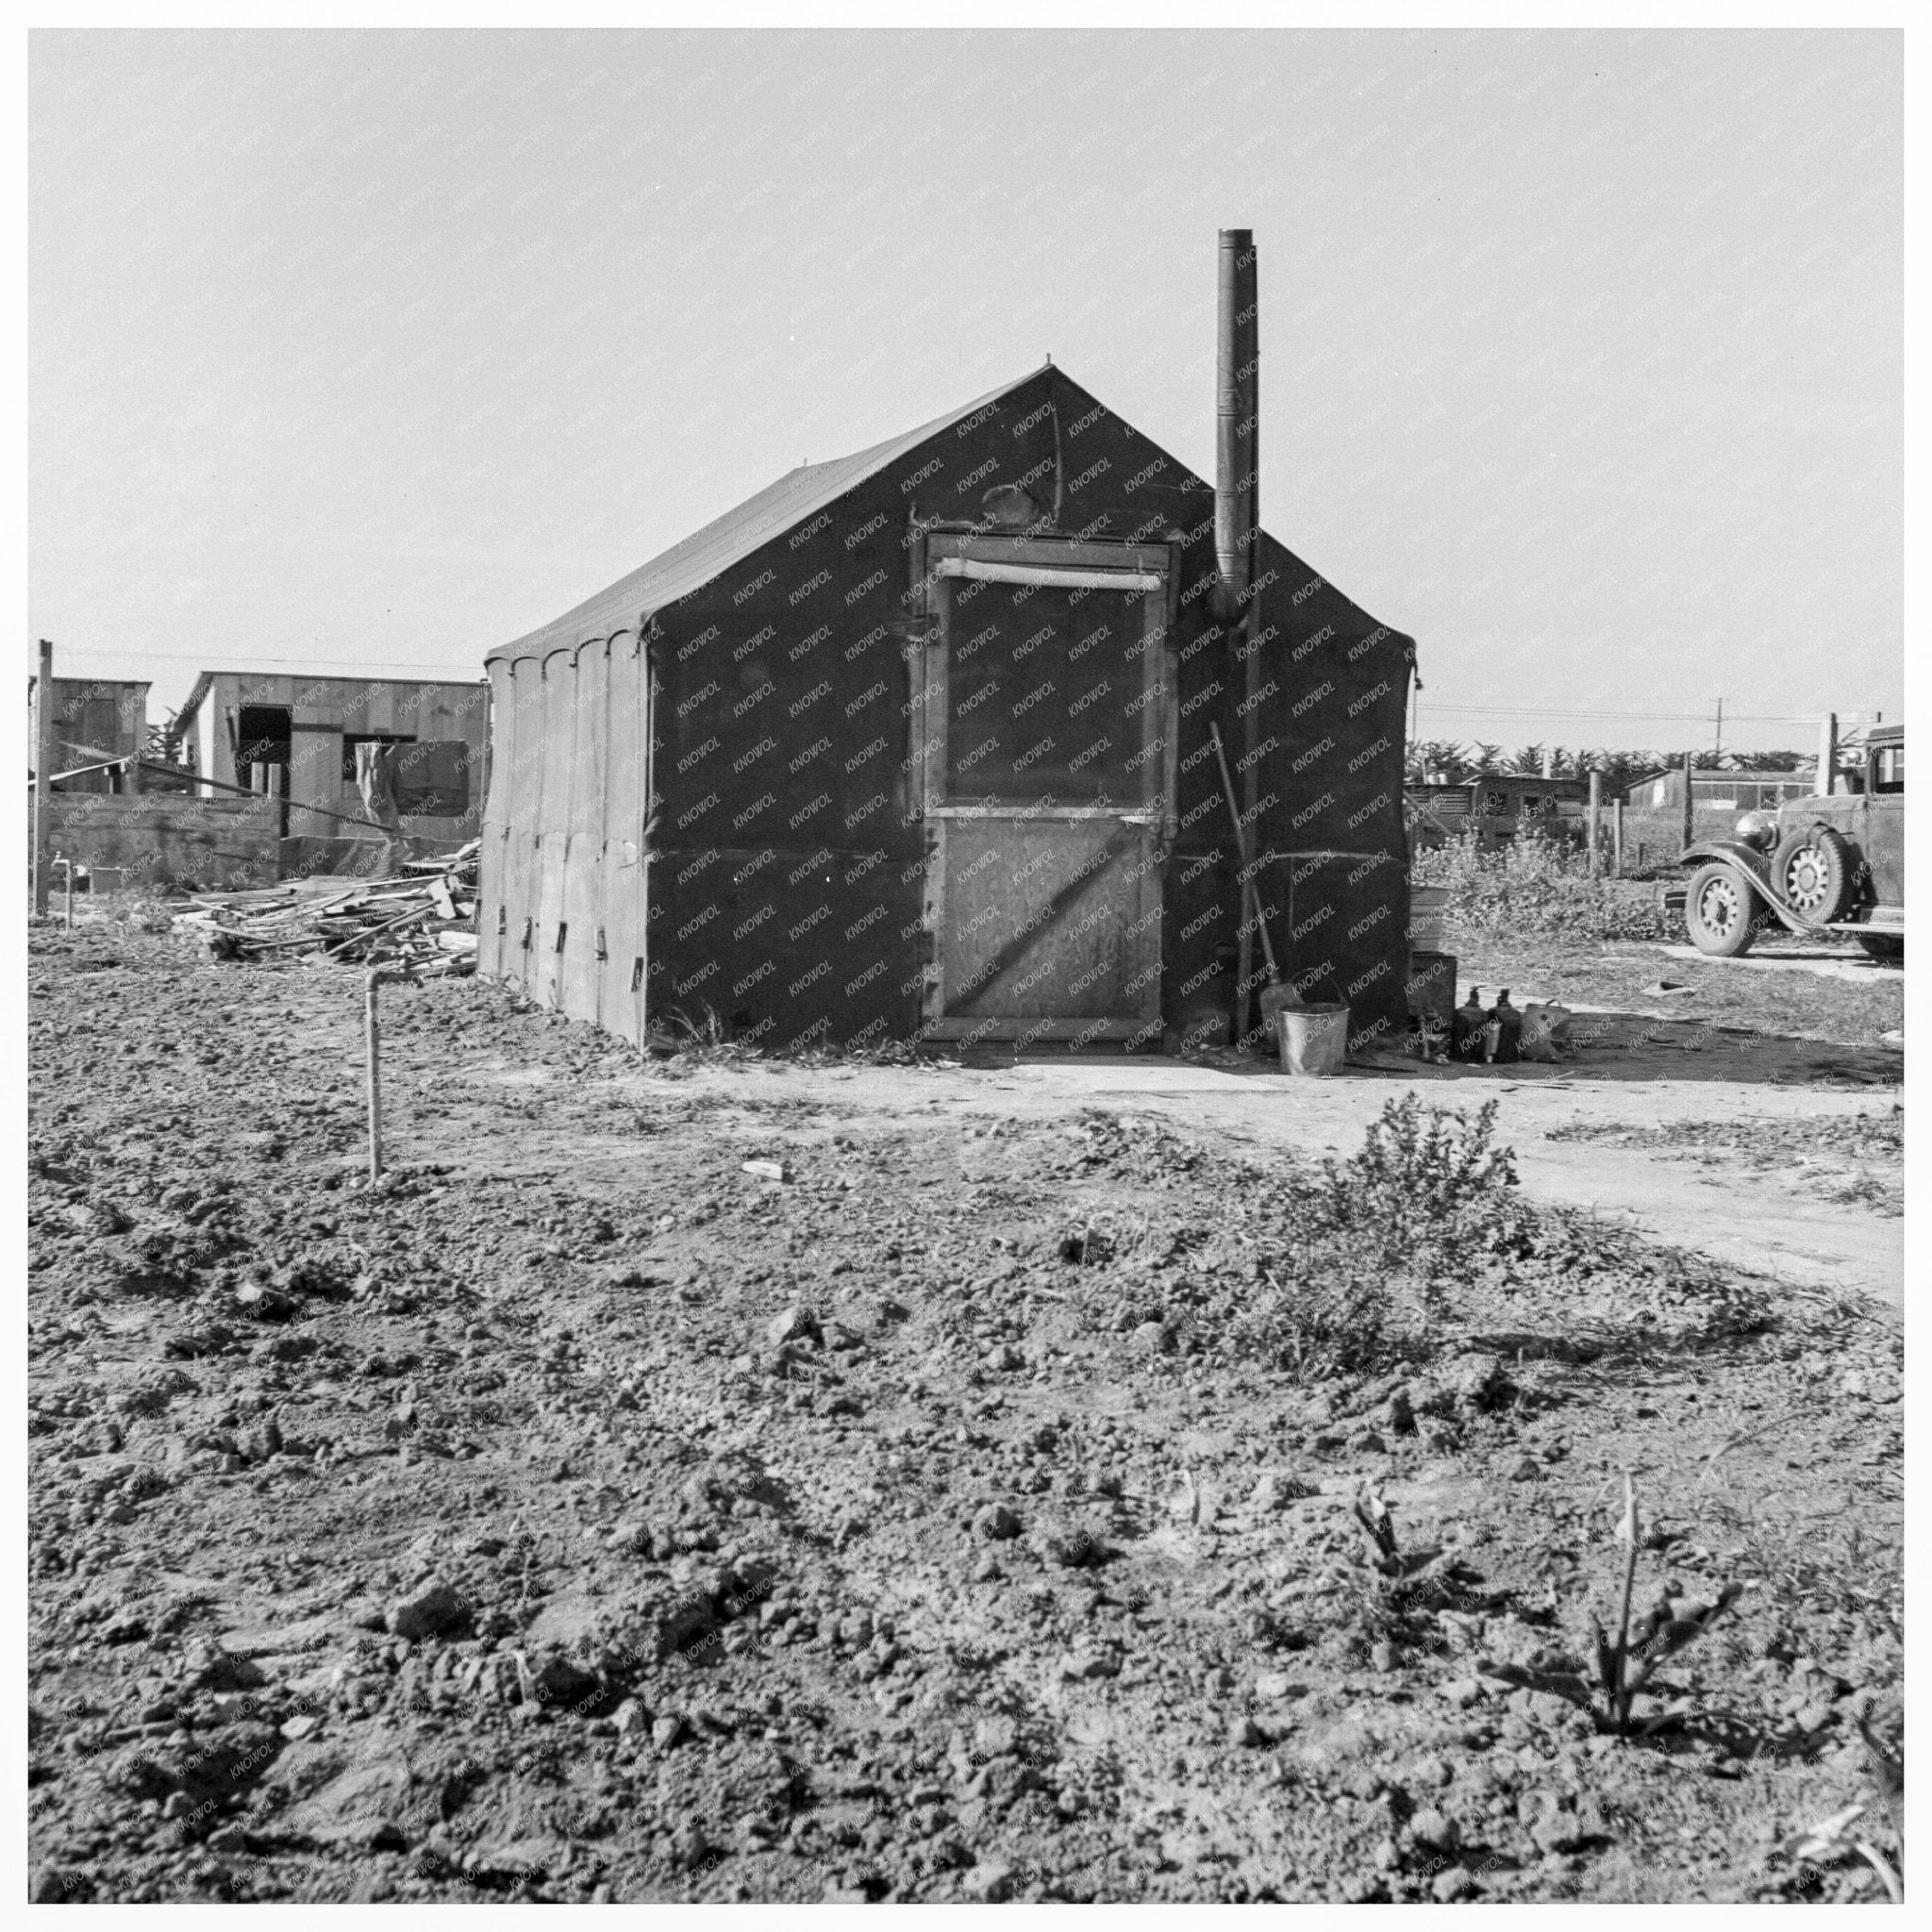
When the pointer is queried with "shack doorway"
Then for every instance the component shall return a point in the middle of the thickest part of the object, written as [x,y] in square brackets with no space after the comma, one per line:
[1048,754]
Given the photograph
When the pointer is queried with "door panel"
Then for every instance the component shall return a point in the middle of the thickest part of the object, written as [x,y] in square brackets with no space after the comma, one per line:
[1044,696]
[1885,822]
[1049,919]
[1885,847]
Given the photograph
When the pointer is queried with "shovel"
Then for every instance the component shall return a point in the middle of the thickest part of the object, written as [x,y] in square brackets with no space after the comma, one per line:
[1275,994]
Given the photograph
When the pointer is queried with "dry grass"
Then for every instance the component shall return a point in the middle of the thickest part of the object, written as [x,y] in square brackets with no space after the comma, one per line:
[1857,1159]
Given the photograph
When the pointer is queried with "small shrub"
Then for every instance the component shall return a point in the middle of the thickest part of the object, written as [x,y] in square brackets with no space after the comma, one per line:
[1429,1190]
[1356,1251]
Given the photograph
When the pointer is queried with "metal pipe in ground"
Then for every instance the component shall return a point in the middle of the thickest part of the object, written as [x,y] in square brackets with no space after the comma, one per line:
[372,1034]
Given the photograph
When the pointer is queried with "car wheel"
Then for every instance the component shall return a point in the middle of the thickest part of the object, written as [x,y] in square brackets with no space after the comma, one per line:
[1720,911]
[1813,870]
[1884,945]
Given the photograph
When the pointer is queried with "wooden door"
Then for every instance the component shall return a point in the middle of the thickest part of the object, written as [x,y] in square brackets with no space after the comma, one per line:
[1048,786]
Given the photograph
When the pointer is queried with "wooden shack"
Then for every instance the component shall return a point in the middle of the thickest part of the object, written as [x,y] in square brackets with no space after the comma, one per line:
[1734,790]
[915,744]
[97,714]
[1497,806]
[293,739]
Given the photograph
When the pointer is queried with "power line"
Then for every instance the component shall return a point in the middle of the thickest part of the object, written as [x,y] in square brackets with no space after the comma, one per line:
[209,660]
[1642,717]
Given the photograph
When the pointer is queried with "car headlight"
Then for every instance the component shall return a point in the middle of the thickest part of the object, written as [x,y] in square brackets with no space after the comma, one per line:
[1759,829]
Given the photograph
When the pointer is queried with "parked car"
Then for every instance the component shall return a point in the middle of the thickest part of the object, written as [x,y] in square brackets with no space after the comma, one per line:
[1829,863]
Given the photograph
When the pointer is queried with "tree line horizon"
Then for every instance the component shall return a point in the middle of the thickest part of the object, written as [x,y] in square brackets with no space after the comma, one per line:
[1446,762]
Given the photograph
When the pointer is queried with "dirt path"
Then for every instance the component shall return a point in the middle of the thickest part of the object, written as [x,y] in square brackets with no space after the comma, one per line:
[1827,962]
[1766,1224]
[1775,1225]
[967,1515]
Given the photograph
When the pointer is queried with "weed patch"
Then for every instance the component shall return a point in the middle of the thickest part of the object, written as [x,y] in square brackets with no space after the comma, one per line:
[1535,885]
[1425,1231]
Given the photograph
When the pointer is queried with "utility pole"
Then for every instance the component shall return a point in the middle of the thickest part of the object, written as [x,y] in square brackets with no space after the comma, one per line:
[1718,750]
[44,773]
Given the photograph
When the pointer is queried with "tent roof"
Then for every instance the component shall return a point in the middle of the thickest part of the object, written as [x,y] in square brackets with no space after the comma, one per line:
[706,554]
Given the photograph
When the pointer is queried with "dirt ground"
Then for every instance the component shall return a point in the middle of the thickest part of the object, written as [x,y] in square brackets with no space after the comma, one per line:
[1784,988]
[934,1510]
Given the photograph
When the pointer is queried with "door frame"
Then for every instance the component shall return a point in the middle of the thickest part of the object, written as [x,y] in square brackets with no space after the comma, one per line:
[1053,564]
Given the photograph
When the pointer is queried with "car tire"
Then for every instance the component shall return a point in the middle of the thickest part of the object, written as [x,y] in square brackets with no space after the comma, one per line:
[1884,945]
[1720,911]
[1813,870]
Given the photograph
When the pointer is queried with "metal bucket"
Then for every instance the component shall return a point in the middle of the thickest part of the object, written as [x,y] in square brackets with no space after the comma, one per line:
[1314,1040]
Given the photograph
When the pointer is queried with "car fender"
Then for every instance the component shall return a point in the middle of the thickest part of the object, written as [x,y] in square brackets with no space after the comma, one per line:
[1754,864]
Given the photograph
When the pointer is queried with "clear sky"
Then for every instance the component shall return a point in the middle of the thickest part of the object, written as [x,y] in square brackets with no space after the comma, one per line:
[1582,353]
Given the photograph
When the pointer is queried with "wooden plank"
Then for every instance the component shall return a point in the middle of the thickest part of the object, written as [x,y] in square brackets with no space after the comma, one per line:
[1171,723]
[1050,1028]
[82,771]
[932,723]
[219,785]
[1029,814]
[1069,552]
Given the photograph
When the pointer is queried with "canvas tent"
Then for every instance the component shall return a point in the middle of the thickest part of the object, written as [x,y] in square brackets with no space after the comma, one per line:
[915,744]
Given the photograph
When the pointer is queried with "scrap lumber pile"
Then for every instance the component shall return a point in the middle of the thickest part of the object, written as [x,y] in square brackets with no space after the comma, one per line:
[422,924]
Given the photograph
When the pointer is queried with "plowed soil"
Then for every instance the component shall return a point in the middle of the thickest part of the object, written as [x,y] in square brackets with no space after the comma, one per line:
[953,1505]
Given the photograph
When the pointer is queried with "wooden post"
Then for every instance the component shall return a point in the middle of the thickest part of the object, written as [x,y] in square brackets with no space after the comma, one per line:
[1596,821]
[1828,755]
[68,865]
[1689,819]
[373,1030]
[44,773]
[1617,838]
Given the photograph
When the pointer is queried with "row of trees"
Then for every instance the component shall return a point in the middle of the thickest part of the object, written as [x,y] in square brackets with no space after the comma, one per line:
[1441,760]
